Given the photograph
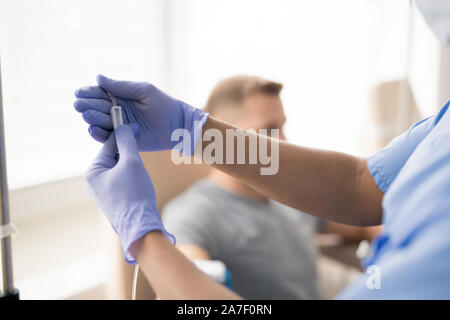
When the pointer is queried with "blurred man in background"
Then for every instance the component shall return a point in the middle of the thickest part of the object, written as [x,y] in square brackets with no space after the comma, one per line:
[267,247]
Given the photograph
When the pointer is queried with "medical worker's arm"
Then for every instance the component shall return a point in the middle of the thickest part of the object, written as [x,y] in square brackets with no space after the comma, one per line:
[331,185]
[194,252]
[119,183]
[172,275]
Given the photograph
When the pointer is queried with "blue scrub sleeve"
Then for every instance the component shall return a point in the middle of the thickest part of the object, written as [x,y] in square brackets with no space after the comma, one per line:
[385,164]
[412,255]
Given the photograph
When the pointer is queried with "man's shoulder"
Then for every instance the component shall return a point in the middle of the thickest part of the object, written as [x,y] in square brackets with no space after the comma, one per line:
[197,200]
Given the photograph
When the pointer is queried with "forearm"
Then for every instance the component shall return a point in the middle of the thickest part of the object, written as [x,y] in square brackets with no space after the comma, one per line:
[171,274]
[330,185]
[351,233]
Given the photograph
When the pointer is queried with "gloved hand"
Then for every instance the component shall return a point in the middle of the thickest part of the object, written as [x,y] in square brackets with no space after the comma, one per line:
[157,114]
[123,190]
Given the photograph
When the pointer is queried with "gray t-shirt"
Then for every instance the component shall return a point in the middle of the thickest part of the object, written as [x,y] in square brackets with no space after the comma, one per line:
[268,248]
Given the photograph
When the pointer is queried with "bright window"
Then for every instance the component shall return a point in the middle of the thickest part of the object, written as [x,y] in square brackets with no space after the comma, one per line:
[50,48]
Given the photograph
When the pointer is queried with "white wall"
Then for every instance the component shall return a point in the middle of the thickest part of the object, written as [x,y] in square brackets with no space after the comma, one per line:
[425,66]
[327,53]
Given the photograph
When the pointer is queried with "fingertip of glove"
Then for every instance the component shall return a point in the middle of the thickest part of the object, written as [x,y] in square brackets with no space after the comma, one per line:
[102,80]
[99,134]
[76,104]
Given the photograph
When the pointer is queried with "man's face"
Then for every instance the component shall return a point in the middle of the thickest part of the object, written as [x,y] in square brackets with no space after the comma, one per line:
[262,111]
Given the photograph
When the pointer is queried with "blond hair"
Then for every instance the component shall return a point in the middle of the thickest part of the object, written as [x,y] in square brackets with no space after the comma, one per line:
[235,89]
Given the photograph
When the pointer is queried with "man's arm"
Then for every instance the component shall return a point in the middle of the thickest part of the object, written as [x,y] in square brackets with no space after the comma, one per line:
[327,184]
[171,274]
[351,233]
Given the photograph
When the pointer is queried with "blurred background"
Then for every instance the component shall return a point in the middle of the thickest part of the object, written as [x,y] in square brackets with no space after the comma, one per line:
[355,73]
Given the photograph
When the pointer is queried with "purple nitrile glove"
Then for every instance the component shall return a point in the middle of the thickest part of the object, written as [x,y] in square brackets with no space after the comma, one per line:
[122,188]
[157,114]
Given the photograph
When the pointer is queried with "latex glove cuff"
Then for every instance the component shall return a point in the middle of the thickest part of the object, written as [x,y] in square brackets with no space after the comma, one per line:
[139,219]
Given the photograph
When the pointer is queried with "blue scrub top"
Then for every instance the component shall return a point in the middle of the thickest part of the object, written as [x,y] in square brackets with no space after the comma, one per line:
[411,257]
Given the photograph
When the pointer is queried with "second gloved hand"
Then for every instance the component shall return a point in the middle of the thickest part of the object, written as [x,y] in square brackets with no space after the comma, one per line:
[157,114]
[123,189]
